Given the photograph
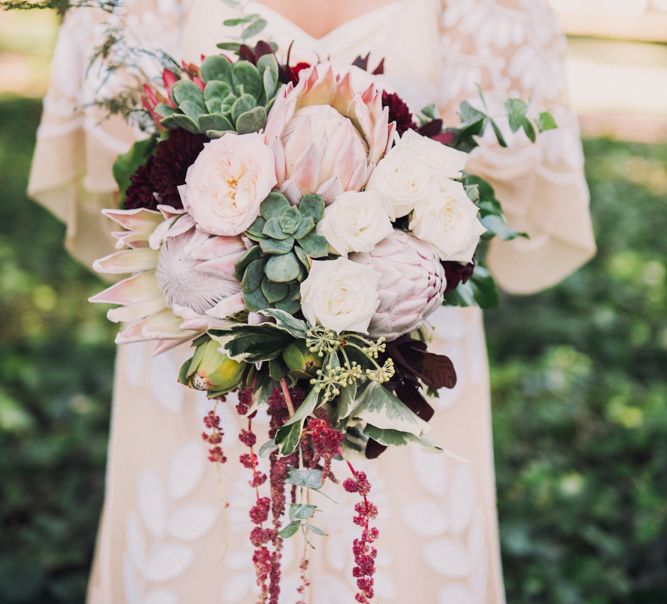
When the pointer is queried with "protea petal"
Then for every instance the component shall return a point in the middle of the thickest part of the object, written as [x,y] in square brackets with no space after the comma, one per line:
[139,288]
[412,283]
[227,307]
[345,122]
[127,261]
[139,220]
[134,312]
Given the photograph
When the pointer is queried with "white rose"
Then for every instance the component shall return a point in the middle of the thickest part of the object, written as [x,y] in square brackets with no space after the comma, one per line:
[441,159]
[228,181]
[355,222]
[406,175]
[449,222]
[403,180]
[340,294]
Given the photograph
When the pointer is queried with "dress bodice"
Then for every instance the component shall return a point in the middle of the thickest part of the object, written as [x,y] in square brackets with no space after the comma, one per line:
[403,33]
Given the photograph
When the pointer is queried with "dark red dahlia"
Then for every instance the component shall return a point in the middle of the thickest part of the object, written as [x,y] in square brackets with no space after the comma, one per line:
[457,273]
[140,192]
[398,112]
[173,156]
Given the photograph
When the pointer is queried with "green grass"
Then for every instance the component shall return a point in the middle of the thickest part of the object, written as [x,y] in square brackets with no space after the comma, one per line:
[580,399]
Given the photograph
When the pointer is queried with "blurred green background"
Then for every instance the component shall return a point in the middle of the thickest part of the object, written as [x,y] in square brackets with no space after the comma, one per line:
[579,388]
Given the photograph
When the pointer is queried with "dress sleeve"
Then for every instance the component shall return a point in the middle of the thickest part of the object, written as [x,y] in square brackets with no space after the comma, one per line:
[76,142]
[514,48]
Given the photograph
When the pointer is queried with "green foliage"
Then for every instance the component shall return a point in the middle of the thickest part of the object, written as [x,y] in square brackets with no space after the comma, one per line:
[580,405]
[56,363]
[579,388]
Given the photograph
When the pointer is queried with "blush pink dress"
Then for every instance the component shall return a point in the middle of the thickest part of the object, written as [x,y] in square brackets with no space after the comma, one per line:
[164,536]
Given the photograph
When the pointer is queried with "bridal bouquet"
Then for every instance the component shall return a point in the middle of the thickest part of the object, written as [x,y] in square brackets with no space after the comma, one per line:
[297,224]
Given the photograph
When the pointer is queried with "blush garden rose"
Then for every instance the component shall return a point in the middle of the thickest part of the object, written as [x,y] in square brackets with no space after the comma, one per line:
[227,183]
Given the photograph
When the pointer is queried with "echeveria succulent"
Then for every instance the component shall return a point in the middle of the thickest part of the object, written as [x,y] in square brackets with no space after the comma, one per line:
[234,96]
[285,237]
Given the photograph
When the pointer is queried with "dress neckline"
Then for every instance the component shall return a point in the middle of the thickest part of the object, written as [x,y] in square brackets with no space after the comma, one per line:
[346,26]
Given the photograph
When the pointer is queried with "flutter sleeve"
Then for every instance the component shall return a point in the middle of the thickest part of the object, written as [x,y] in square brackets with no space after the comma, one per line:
[77,142]
[514,48]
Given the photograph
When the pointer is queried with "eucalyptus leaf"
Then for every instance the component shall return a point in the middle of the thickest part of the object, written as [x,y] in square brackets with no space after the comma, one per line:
[301,511]
[316,530]
[290,530]
[304,477]
[253,28]
[267,448]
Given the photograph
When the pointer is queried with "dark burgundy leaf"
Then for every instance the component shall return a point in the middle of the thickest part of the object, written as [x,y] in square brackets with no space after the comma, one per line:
[413,399]
[379,70]
[263,48]
[431,129]
[374,449]
[438,371]
[362,62]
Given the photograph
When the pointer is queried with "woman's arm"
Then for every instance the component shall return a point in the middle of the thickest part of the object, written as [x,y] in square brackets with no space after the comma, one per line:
[514,48]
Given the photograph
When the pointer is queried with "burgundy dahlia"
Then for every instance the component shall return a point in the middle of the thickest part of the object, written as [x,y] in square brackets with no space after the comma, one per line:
[140,192]
[173,156]
[398,112]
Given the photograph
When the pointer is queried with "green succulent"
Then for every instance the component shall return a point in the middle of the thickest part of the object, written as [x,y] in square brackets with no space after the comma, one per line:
[236,97]
[271,271]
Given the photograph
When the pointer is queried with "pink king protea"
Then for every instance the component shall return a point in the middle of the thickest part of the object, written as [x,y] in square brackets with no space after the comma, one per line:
[327,132]
[181,277]
[412,283]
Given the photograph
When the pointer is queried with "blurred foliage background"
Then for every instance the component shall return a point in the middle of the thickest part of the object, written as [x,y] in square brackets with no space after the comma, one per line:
[579,389]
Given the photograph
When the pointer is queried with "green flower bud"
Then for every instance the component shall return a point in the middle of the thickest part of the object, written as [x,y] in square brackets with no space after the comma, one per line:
[210,369]
[300,361]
